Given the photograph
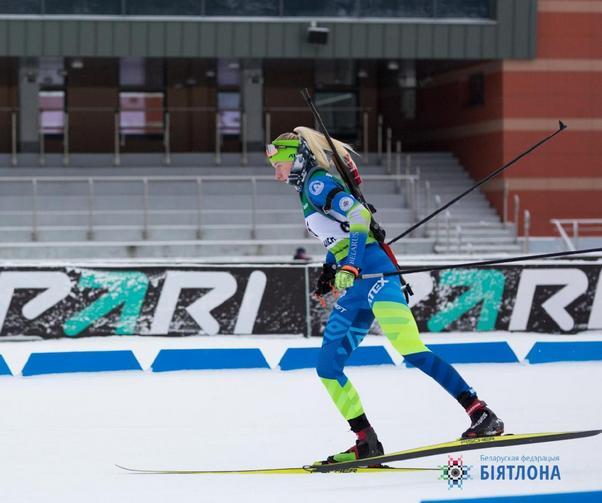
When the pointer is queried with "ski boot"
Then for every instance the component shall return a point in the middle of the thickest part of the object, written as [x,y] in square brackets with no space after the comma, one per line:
[366,446]
[484,423]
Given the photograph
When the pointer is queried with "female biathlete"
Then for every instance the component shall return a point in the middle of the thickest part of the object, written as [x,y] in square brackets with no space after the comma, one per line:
[342,223]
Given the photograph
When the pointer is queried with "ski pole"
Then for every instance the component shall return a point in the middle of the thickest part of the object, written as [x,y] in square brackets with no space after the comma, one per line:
[561,127]
[478,264]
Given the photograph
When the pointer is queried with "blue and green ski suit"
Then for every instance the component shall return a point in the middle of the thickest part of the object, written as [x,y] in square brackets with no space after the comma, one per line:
[342,223]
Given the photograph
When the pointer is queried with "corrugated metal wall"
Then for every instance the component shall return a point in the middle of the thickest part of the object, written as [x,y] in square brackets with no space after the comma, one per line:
[512,36]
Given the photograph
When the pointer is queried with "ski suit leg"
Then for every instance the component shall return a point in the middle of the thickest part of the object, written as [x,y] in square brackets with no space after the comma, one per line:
[347,326]
[397,322]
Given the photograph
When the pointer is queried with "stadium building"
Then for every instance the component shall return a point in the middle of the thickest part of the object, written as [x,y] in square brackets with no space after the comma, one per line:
[188,86]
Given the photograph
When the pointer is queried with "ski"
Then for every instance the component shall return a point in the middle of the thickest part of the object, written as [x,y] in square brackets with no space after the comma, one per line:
[457,446]
[359,466]
[274,471]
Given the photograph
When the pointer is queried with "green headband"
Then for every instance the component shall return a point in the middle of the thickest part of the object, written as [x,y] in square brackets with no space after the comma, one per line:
[282,150]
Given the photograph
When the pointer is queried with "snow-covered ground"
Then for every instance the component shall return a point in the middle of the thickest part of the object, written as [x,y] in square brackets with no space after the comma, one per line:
[60,435]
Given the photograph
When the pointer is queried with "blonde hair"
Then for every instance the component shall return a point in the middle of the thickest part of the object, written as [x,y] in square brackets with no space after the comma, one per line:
[318,144]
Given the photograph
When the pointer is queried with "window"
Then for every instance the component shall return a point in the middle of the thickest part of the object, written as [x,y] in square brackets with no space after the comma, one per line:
[228,104]
[20,7]
[163,7]
[143,74]
[228,72]
[141,99]
[141,113]
[339,112]
[313,8]
[482,9]
[241,8]
[52,115]
[51,73]
[329,73]
[82,7]
[396,8]
[228,96]
[336,96]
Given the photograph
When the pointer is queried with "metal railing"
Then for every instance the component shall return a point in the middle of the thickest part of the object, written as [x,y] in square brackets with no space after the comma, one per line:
[577,228]
[161,133]
[145,211]
[506,208]
[451,235]
[443,234]
[527,230]
[438,205]
[362,117]
[516,221]
[505,195]
[516,216]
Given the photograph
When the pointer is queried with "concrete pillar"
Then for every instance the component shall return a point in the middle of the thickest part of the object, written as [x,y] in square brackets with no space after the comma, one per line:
[28,105]
[251,88]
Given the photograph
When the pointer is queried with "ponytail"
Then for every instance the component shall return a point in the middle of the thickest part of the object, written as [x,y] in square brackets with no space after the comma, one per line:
[318,144]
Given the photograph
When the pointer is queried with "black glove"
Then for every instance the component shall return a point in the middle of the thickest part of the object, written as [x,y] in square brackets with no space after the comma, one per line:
[326,279]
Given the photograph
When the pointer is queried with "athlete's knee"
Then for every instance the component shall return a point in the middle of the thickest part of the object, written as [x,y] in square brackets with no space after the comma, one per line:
[327,368]
[323,371]
[399,326]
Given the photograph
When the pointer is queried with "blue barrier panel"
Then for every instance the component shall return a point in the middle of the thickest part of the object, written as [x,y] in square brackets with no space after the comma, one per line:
[474,352]
[584,497]
[4,370]
[209,359]
[80,361]
[305,358]
[544,352]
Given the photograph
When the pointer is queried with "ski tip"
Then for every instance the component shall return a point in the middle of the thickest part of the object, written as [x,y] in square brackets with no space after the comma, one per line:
[577,434]
[595,432]
[126,469]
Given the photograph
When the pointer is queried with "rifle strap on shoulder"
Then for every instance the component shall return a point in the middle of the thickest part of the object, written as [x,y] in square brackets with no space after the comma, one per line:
[330,197]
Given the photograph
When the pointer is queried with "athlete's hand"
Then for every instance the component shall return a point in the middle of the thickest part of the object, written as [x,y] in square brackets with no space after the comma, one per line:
[324,285]
[345,277]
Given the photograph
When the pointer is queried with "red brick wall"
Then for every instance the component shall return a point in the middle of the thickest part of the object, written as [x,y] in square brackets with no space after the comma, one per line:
[523,102]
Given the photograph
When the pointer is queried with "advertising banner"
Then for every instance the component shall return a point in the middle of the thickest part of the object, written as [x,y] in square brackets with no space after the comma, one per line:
[52,302]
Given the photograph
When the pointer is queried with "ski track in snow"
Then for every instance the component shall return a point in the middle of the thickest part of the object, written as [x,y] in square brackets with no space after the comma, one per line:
[60,435]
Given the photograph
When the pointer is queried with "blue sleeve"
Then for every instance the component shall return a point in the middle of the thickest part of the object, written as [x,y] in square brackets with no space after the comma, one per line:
[317,189]
[344,207]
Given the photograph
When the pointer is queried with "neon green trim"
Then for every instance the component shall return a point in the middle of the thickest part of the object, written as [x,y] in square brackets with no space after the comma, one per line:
[344,456]
[340,249]
[287,149]
[287,143]
[398,324]
[359,218]
[344,397]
